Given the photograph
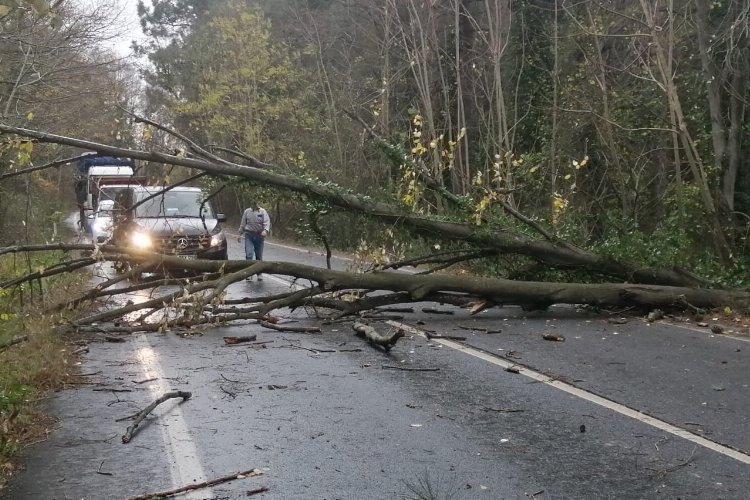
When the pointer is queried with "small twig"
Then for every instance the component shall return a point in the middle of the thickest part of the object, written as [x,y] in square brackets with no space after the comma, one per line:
[142,414]
[239,340]
[262,489]
[665,471]
[229,379]
[144,381]
[230,393]
[205,484]
[99,471]
[109,389]
[553,337]
[316,351]
[409,369]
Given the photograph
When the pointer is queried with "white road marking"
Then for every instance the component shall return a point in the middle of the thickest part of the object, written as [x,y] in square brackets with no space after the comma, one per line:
[182,454]
[575,391]
[585,395]
[706,331]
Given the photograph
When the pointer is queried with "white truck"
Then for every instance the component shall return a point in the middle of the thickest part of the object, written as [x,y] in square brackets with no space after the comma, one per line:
[97,176]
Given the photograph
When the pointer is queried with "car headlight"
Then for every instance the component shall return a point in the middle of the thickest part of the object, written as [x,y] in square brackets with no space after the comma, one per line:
[140,240]
[218,239]
[102,226]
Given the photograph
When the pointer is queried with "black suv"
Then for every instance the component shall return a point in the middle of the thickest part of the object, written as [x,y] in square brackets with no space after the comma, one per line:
[178,221]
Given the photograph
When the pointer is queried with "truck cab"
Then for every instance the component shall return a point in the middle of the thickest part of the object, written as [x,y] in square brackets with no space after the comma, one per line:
[96,175]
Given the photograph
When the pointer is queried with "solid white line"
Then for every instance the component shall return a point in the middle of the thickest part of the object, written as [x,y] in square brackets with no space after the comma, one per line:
[585,395]
[182,454]
[575,391]
[705,331]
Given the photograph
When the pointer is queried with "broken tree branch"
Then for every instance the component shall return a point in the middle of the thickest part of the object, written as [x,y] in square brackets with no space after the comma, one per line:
[198,486]
[374,338]
[143,413]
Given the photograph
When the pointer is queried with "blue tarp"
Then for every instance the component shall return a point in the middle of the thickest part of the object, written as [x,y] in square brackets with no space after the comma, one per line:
[85,164]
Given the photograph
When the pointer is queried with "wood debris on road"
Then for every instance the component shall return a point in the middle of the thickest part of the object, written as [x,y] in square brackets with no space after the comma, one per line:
[142,414]
[374,338]
[238,340]
[205,484]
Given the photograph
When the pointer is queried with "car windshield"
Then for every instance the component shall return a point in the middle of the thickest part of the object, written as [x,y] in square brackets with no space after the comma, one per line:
[174,204]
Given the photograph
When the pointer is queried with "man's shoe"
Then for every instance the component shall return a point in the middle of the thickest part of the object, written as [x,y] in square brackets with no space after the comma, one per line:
[260,277]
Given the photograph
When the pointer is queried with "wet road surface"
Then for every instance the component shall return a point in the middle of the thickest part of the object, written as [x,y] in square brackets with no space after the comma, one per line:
[633,410]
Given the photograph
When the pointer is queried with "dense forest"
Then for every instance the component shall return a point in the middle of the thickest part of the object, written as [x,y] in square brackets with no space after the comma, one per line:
[615,126]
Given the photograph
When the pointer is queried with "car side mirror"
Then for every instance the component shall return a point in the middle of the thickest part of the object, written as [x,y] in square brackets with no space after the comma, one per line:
[221,217]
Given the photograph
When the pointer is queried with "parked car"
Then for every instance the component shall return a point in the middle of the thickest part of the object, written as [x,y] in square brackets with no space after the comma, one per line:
[102,221]
[178,221]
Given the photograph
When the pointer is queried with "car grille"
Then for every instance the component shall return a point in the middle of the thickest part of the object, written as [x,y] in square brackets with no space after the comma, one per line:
[182,244]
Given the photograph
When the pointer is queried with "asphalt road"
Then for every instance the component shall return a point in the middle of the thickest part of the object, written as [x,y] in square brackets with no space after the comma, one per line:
[634,410]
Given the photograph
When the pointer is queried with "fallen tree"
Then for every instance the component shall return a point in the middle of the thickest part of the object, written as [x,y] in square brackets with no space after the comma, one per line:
[335,294]
[497,239]
[202,301]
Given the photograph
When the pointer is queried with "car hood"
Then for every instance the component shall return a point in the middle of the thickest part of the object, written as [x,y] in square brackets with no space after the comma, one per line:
[177,225]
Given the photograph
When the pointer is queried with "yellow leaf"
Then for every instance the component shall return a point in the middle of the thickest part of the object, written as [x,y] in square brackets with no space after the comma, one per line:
[567,177]
[30,116]
[533,169]
[727,310]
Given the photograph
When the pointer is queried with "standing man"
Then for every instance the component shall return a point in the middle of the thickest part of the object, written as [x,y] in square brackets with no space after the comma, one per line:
[255,225]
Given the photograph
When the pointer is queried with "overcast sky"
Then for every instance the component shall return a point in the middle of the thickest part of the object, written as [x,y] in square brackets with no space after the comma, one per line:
[125,12]
[130,17]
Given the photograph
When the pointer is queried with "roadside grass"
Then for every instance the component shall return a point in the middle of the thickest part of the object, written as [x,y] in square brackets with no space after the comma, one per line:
[39,362]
